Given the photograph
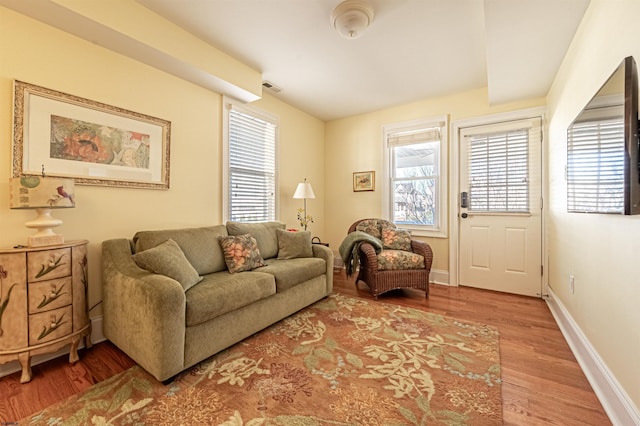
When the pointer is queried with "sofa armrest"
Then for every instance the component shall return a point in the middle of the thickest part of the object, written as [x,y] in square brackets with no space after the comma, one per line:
[325,253]
[424,249]
[144,313]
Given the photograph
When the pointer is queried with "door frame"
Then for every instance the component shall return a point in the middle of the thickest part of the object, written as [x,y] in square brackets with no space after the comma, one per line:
[454,185]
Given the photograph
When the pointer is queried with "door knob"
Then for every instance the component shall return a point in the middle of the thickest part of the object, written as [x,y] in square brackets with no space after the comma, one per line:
[464,215]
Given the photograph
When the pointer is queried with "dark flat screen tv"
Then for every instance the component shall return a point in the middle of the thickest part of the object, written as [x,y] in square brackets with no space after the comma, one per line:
[603,168]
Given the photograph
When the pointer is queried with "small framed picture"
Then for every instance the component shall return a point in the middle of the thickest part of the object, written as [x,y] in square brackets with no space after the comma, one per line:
[364,181]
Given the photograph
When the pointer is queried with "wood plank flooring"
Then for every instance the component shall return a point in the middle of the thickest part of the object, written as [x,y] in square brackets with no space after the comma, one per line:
[542,382]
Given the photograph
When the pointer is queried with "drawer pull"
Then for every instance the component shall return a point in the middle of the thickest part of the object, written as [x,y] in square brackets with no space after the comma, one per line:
[54,294]
[55,324]
[53,264]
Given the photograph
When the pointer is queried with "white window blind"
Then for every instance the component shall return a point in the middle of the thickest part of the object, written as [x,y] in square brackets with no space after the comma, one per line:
[251,166]
[595,166]
[499,172]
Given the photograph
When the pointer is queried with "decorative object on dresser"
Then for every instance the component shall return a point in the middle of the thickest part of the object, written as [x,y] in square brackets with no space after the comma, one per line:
[43,302]
[304,191]
[42,194]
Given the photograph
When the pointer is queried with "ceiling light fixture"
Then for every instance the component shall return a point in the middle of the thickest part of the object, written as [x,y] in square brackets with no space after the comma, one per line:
[351,18]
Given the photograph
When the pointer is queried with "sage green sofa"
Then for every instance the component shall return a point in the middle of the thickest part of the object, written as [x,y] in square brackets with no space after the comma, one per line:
[167,326]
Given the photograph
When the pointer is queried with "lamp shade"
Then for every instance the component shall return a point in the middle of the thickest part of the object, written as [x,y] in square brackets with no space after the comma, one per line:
[304,190]
[34,192]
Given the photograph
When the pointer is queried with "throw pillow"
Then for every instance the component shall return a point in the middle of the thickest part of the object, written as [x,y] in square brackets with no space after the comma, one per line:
[294,244]
[370,226]
[168,259]
[241,253]
[396,239]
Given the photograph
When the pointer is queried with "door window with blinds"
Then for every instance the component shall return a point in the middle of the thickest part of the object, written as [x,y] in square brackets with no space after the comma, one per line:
[415,197]
[498,160]
[499,172]
[250,146]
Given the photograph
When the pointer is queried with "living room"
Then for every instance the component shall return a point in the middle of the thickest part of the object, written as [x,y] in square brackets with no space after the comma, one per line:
[597,249]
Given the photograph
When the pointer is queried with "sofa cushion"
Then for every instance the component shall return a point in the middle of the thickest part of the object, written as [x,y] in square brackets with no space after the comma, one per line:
[222,292]
[291,272]
[390,260]
[396,239]
[241,253]
[264,233]
[293,244]
[200,245]
[168,259]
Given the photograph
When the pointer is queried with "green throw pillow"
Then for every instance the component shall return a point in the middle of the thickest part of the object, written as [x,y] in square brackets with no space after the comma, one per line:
[168,259]
[241,252]
[294,244]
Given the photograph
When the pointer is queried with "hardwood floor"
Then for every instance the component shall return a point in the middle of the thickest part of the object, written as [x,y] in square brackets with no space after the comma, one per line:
[542,382]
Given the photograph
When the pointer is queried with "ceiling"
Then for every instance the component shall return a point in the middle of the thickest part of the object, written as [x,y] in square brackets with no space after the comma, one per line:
[414,49]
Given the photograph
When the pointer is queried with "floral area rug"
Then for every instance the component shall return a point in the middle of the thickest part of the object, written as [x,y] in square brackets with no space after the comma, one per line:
[341,361]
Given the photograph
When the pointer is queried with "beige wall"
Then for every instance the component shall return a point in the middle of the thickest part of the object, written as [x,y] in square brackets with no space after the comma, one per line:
[39,54]
[355,144]
[601,251]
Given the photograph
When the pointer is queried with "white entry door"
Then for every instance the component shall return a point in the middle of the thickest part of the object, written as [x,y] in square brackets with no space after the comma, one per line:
[500,215]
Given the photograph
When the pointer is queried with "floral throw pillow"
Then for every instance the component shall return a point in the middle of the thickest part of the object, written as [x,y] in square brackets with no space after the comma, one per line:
[370,226]
[396,239]
[241,253]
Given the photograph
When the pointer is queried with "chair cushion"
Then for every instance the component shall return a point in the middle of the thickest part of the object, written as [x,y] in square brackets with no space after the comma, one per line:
[396,239]
[291,272]
[374,226]
[389,260]
[168,259]
[222,292]
[263,232]
[294,244]
[241,253]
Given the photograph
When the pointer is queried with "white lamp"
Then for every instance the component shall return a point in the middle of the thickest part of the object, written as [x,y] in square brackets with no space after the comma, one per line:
[304,191]
[42,194]
[351,18]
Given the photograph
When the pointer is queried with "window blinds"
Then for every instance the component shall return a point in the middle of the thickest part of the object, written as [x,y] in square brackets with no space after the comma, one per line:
[499,172]
[595,166]
[252,167]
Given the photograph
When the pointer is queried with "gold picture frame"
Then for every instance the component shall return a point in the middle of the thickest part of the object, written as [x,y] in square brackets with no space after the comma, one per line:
[364,181]
[64,135]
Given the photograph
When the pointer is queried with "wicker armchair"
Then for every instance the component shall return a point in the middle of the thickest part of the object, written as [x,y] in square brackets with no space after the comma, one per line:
[381,281]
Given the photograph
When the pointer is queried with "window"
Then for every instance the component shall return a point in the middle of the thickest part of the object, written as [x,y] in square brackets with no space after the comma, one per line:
[499,172]
[595,162]
[415,172]
[250,175]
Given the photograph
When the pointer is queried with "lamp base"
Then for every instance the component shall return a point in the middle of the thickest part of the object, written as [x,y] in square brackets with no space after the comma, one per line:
[45,240]
[45,235]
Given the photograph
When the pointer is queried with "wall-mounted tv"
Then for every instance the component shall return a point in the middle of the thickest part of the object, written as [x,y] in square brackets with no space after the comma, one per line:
[603,168]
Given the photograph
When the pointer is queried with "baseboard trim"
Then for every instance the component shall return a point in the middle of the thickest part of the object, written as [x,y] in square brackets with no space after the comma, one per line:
[439,276]
[617,404]
[96,337]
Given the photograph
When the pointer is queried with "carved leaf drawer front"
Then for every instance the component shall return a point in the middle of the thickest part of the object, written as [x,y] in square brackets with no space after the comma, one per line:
[49,325]
[48,264]
[48,295]
[13,301]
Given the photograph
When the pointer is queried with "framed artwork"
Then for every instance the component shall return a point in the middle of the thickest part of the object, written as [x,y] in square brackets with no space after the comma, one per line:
[364,181]
[95,144]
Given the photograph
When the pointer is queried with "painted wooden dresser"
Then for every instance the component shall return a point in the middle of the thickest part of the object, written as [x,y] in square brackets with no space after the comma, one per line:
[43,302]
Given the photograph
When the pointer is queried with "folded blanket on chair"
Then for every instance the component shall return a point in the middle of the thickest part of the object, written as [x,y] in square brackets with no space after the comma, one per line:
[350,246]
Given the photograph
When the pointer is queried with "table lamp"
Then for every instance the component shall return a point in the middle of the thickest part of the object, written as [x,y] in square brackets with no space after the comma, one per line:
[42,194]
[304,191]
